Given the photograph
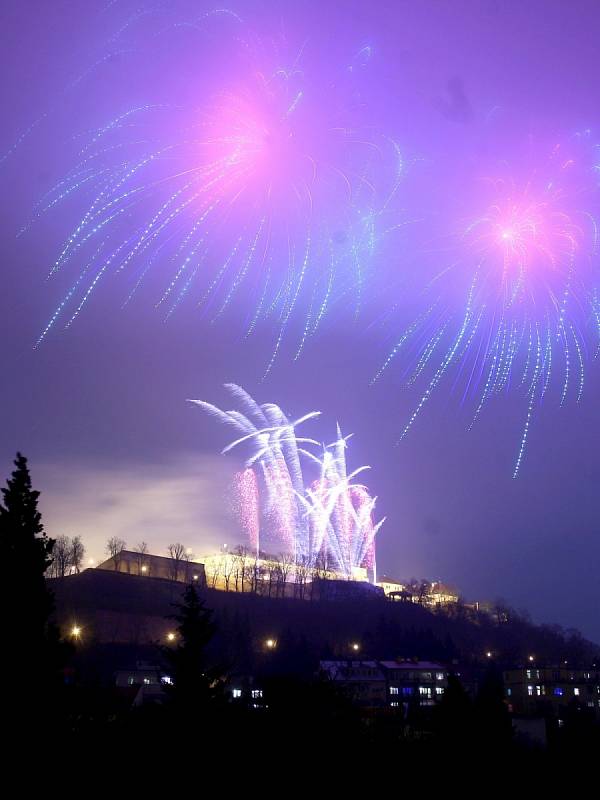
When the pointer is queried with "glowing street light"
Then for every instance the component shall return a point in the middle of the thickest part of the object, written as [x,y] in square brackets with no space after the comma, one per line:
[144,568]
[76,631]
[489,654]
[270,644]
[355,646]
[170,636]
[532,658]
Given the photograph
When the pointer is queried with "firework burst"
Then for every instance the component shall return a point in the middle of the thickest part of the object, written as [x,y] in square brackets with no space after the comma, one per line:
[517,307]
[266,198]
[328,520]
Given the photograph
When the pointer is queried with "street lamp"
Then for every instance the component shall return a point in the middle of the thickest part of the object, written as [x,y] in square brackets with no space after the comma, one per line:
[489,654]
[532,658]
[76,631]
[170,636]
[355,646]
[270,644]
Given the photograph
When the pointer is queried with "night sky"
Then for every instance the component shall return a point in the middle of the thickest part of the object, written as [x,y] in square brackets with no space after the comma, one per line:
[100,411]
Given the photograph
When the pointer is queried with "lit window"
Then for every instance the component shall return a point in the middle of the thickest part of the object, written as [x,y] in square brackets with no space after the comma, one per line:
[394,704]
[540,690]
[393,690]
[425,691]
[508,692]
[530,691]
[558,691]
[407,690]
[146,681]
[561,722]
[237,693]
[576,691]
[439,690]
[131,680]
[439,676]
[167,680]
[256,693]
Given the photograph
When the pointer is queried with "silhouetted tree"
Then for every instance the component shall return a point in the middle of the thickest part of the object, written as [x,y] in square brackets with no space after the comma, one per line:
[114,547]
[142,551]
[61,557]
[67,556]
[492,718]
[178,555]
[26,603]
[227,564]
[77,554]
[286,564]
[195,682]
[454,715]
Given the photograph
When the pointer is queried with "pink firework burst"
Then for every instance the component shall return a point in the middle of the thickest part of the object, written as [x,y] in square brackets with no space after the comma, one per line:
[517,306]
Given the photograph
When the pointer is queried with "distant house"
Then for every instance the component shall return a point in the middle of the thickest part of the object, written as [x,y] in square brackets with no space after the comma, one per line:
[388,684]
[144,683]
[148,565]
[391,586]
[431,594]
[542,690]
[440,594]
[422,682]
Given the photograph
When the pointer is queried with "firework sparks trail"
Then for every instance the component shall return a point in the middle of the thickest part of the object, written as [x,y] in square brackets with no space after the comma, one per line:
[329,520]
[246,494]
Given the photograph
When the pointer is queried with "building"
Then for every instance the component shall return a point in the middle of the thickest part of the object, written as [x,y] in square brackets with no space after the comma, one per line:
[245,571]
[537,690]
[410,681]
[391,587]
[434,594]
[144,683]
[388,684]
[440,594]
[147,565]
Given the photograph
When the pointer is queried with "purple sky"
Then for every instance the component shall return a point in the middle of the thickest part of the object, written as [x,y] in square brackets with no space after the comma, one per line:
[103,403]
